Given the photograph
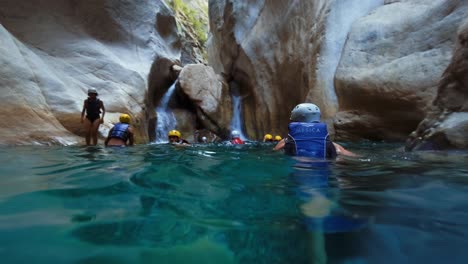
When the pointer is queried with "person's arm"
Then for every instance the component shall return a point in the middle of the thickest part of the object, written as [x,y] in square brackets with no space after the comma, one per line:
[280,145]
[130,136]
[182,143]
[103,112]
[340,150]
[108,137]
[84,110]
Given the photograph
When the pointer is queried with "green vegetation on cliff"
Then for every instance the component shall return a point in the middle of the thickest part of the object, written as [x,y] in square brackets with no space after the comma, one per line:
[192,19]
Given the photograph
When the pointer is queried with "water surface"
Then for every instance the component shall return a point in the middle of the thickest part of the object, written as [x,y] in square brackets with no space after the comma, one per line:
[231,204]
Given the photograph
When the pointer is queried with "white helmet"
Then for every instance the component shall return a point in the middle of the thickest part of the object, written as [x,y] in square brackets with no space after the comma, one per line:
[235,134]
[92,91]
[305,112]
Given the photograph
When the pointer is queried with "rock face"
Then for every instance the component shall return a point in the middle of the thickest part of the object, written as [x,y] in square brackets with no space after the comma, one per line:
[386,78]
[273,54]
[52,51]
[446,125]
[391,65]
[209,96]
[268,52]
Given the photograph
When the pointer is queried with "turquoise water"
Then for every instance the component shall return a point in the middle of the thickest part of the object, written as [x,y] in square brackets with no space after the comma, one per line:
[231,204]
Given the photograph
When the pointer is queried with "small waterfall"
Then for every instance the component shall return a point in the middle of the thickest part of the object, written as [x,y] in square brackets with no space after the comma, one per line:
[166,118]
[236,122]
[342,15]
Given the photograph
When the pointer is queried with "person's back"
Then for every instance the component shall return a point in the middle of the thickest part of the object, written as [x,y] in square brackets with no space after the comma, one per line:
[308,137]
[309,140]
[121,133]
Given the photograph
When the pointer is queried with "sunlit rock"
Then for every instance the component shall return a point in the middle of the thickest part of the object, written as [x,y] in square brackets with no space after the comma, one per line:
[391,65]
[52,51]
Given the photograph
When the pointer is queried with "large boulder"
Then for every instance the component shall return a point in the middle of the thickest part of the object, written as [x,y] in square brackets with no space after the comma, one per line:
[54,50]
[446,125]
[209,95]
[391,66]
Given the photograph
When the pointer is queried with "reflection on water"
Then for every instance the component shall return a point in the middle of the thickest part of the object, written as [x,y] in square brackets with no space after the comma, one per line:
[231,204]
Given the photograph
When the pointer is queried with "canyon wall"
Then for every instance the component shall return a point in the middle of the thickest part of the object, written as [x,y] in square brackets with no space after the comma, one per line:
[52,51]
[278,53]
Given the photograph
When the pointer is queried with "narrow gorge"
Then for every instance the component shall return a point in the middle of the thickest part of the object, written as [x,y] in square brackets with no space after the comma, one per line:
[379,70]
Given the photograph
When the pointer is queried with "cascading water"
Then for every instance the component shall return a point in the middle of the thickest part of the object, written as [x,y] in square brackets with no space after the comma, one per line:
[236,122]
[166,118]
[342,15]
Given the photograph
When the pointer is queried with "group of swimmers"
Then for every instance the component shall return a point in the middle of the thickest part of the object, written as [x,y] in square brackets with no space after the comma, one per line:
[307,136]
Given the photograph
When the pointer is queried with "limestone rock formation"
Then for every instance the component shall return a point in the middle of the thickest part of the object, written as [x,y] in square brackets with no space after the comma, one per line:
[385,81]
[268,51]
[52,51]
[446,125]
[209,94]
[391,65]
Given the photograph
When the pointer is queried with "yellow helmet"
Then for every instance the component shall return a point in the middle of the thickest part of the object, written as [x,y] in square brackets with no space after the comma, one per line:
[174,133]
[124,118]
[278,138]
[268,137]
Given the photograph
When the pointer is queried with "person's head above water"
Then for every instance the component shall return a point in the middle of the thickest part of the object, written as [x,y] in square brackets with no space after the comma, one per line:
[174,135]
[305,112]
[124,118]
[235,134]
[268,137]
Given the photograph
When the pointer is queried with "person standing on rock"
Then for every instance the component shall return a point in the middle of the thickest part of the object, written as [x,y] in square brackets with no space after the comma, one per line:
[92,107]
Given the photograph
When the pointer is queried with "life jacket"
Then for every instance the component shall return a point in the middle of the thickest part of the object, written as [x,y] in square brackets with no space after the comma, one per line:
[93,108]
[309,140]
[120,130]
[237,141]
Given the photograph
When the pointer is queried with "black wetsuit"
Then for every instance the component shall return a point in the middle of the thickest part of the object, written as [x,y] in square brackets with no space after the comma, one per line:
[93,109]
